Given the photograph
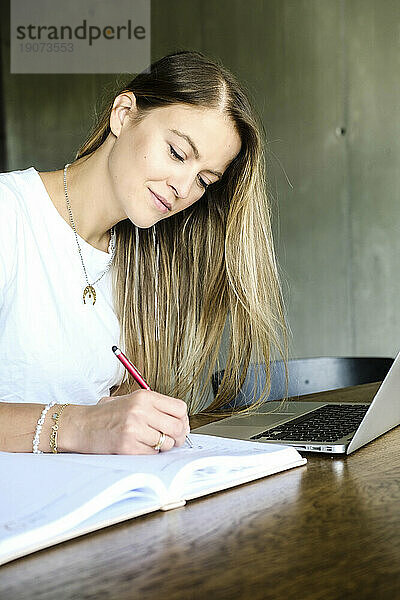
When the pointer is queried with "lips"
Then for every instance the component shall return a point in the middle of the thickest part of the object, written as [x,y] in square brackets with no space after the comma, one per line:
[163,200]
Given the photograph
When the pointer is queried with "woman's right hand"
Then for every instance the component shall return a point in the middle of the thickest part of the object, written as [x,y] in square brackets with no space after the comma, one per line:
[128,424]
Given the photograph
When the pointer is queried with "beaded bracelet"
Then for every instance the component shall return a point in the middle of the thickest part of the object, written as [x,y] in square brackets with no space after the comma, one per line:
[35,443]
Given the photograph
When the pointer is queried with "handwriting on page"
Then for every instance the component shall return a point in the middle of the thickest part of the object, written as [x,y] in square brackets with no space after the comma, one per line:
[206,473]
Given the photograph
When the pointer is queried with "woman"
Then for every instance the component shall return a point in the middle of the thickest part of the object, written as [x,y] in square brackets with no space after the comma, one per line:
[157,232]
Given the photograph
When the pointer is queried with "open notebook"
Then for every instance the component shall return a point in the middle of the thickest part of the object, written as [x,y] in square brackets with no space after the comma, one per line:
[49,498]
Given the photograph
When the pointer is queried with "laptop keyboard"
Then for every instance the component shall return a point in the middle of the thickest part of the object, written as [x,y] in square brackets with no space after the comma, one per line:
[325,424]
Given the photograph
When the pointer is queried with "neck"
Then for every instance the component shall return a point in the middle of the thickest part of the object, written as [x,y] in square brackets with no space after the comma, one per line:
[93,206]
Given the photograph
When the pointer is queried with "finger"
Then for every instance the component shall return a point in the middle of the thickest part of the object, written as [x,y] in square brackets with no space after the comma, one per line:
[168,444]
[154,436]
[171,426]
[171,406]
[180,442]
[138,448]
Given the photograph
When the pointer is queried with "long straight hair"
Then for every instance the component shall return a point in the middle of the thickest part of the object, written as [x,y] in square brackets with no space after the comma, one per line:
[177,284]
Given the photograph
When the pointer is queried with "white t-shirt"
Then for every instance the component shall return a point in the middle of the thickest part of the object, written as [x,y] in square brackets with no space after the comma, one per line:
[52,345]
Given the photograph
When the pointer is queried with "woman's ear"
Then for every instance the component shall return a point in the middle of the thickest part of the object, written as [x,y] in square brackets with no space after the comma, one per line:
[124,104]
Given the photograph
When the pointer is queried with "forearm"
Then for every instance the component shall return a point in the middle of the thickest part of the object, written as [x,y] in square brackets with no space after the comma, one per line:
[18,424]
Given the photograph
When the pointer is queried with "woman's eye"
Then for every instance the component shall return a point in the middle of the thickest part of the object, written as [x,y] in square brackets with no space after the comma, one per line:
[203,183]
[176,155]
[172,151]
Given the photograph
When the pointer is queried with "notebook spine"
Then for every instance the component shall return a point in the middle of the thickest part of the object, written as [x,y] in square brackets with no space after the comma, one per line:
[172,505]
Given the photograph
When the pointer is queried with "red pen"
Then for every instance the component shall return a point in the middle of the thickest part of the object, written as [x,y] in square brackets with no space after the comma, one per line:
[137,376]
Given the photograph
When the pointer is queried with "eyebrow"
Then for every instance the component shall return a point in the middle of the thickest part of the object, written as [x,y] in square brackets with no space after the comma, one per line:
[193,146]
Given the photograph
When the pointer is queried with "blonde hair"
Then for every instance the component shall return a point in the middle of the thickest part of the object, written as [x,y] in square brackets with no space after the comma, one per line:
[183,277]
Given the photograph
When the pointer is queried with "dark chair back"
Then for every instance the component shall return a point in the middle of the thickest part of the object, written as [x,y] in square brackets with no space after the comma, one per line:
[309,375]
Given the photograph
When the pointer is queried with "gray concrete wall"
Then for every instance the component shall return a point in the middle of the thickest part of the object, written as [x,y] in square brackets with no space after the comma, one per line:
[324,75]
[332,101]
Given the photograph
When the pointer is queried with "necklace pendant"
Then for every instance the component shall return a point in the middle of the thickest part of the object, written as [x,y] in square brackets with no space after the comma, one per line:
[89,289]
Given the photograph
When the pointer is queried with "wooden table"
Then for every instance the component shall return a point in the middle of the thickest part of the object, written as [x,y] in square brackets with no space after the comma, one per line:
[326,530]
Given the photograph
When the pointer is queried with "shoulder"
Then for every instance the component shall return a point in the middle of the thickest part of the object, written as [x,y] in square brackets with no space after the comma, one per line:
[12,192]
[16,183]
[14,188]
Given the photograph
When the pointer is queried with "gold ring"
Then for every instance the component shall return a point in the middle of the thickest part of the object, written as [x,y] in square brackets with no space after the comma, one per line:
[160,442]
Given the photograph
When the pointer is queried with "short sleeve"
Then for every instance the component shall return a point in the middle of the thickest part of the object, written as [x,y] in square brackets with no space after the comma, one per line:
[8,238]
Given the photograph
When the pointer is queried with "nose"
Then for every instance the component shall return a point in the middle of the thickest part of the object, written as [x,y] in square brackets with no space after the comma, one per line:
[182,184]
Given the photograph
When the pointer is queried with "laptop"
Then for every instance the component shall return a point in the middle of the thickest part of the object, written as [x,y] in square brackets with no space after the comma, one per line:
[334,428]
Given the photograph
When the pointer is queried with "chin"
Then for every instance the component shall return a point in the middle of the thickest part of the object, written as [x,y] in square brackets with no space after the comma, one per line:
[144,223]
